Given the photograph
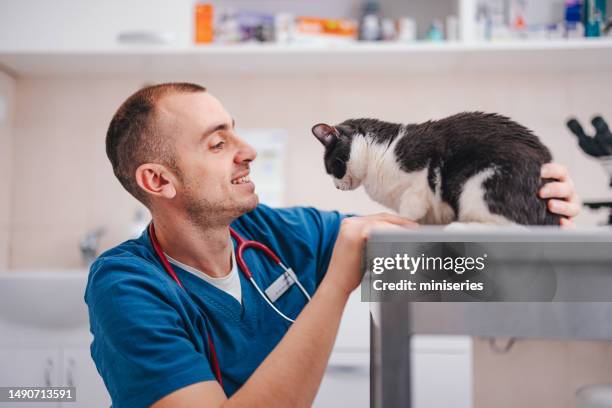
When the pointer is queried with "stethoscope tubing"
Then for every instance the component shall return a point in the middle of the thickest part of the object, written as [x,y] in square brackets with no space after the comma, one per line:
[241,246]
[214,359]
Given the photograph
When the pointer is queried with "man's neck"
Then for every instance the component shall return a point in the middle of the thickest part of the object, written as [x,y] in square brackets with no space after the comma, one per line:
[207,248]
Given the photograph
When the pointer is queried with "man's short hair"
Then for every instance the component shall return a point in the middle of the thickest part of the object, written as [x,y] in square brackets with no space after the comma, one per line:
[135,137]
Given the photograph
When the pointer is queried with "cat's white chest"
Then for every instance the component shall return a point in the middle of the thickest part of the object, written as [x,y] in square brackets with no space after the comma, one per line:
[407,193]
[386,183]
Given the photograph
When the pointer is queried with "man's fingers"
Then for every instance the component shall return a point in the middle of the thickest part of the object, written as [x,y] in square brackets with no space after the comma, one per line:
[557,189]
[565,208]
[554,171]
[567,223]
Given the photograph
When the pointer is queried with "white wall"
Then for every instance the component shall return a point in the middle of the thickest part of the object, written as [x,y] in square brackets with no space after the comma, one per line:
[64,186]
[7,99]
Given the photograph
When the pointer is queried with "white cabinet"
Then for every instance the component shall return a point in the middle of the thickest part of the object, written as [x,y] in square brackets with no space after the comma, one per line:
[346,382]
[30,367]
[54,367]
[44,336]
[92,25]
[354,332]
[79,371]
[441,371]
[347,378]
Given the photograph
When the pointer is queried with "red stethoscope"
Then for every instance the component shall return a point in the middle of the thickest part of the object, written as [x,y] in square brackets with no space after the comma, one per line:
[241,245]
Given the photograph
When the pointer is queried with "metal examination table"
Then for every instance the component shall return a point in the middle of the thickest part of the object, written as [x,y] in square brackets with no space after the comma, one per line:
[397,321]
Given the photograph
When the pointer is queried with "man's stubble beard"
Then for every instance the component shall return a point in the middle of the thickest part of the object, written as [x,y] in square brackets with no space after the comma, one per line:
[205,213]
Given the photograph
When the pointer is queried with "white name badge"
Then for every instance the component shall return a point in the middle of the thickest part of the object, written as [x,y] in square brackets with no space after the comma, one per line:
[280,286]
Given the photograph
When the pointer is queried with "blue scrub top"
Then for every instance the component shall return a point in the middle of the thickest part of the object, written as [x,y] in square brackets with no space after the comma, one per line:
[150,336]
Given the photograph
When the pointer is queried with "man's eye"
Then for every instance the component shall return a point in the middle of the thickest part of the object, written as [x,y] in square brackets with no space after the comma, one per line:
[218,145]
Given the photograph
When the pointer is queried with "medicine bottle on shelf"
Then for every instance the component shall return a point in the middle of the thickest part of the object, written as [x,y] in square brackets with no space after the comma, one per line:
[204,21]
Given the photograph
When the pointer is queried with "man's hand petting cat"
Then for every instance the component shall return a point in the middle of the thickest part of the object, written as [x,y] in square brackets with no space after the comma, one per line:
[561,194]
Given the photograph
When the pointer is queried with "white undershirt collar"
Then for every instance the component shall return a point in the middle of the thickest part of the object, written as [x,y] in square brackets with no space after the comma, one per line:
[229,284]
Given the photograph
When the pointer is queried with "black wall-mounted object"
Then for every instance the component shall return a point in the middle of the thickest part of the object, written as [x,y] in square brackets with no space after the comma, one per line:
[595,146]
[598,146]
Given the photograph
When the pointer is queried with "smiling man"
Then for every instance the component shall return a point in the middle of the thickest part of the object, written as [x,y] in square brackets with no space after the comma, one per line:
[175,323]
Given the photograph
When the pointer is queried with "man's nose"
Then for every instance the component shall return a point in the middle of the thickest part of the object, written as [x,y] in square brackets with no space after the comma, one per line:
[246,153]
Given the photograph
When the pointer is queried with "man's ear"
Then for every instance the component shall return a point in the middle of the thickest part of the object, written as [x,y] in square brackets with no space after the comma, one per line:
[156,179]
[325,133]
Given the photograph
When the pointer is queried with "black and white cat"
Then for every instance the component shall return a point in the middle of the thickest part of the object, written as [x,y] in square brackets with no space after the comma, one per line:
[470,167]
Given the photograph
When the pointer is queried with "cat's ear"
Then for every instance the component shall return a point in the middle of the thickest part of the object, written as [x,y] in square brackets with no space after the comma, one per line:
[325,133]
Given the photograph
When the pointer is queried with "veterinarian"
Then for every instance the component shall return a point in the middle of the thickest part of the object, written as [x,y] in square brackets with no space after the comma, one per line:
[176,321]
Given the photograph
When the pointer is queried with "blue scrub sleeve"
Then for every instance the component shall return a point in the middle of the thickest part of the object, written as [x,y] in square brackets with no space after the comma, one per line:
[328,225]
[141,347]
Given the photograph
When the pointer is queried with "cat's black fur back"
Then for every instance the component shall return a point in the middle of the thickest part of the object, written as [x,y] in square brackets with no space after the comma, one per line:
[459,147]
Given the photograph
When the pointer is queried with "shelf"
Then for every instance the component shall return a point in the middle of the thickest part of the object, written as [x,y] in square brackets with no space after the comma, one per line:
[353,58]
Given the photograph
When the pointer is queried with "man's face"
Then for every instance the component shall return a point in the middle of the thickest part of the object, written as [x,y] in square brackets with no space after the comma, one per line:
[211,159]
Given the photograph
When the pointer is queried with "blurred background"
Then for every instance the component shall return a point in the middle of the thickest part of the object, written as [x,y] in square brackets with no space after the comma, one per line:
[280,66]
